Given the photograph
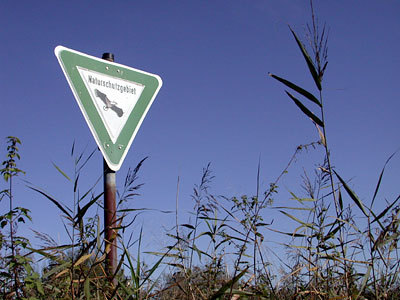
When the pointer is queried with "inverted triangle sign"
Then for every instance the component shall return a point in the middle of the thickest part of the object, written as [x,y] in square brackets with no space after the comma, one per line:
[113,98]
[113,105]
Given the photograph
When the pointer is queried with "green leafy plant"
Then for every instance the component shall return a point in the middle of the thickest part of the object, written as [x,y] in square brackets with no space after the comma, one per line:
[335,248]
[16,269]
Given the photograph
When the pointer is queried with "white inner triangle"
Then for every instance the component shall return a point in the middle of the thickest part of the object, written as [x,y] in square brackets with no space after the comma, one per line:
[113,97]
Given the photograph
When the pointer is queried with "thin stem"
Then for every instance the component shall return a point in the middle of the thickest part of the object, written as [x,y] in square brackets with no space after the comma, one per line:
[15,271]
[332,183]
[327,152]
[255,222]
[194,236]
[176,213]
[372,258]
[236,267]
[11,220]
[73,236]
[264,264]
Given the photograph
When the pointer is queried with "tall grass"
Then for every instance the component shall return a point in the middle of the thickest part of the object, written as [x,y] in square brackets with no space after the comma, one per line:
[339,248]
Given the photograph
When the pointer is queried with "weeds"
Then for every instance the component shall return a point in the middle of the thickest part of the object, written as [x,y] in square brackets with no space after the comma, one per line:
[16,272]
[340,247]
[335,248]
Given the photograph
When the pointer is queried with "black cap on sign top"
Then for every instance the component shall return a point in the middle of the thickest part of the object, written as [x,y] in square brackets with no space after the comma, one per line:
[108,56]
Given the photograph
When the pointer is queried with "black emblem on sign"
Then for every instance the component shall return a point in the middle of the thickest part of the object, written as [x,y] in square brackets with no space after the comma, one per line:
[108,104]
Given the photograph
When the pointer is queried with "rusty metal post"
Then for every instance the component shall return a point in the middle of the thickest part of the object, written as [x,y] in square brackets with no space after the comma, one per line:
[110,209]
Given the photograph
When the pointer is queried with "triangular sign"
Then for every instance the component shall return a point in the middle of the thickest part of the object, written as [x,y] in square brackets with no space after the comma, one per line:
[113,98]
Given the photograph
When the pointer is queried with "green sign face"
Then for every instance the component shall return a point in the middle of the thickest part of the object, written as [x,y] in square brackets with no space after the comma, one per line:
[113,98]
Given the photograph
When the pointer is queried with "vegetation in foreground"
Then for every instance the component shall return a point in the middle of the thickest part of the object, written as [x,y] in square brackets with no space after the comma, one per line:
[221,252]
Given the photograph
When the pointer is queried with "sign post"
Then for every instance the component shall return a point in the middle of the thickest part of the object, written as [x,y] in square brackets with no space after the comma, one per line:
[114,99]
[110,210]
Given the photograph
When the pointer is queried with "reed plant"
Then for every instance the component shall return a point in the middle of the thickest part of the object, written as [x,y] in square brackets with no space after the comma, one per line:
[341,247]
[336,257]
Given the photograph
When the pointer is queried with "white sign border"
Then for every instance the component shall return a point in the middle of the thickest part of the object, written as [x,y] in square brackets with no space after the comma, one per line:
[114,167]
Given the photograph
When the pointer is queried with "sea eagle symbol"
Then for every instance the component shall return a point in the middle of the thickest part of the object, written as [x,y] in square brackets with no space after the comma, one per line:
[108,103]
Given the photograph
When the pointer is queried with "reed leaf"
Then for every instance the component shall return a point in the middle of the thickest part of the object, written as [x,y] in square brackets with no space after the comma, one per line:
[295,208]
[227,285]
[145,209]
[380,178]
[298,89]
[227,239]
[134,277]
[82,259]
[308,60]
[309,225]
[299,247]
[137,277]
[340,200]
[301,200]
[62,173]
[85,195]
[352,195]
[76,183]
[61,207]
[321,135]
[57,269]
[188,226]
[73,148]
[383,213]
[81,213]
[98,233]
[364,281]
[290,233]
[305,110]
[332,232]
[377,186]
[200,252]
[166,254]
[87,159]
[62,273]
[155,267]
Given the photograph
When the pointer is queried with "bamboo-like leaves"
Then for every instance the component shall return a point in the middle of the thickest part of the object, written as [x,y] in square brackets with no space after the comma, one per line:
[321,135]
[139,278]
[364,281]
[298,89]
[304,92]
[340,201]
[82,211]
[352,195]
[380,178]
[56,269]
[333,231]
[305,110]
[377,218]
[308,60]
[291,234]
[309,225]
[227,285]
[82,259]
[61,171]
[59,205]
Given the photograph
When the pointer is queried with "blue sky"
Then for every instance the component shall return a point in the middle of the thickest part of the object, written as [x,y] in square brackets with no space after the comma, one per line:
[217,103]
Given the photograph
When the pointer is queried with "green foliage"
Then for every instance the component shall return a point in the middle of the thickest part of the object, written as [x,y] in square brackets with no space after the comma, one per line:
[10,165]
[333,248]
[15,266]
[340,247]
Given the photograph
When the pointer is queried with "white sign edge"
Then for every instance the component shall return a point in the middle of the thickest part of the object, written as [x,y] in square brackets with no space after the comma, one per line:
[112,166]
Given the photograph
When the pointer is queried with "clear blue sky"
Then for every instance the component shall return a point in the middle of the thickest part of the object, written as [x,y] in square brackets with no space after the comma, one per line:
[217,103]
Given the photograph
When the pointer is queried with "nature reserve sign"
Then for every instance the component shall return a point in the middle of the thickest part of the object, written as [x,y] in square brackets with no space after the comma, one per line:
[113,98]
